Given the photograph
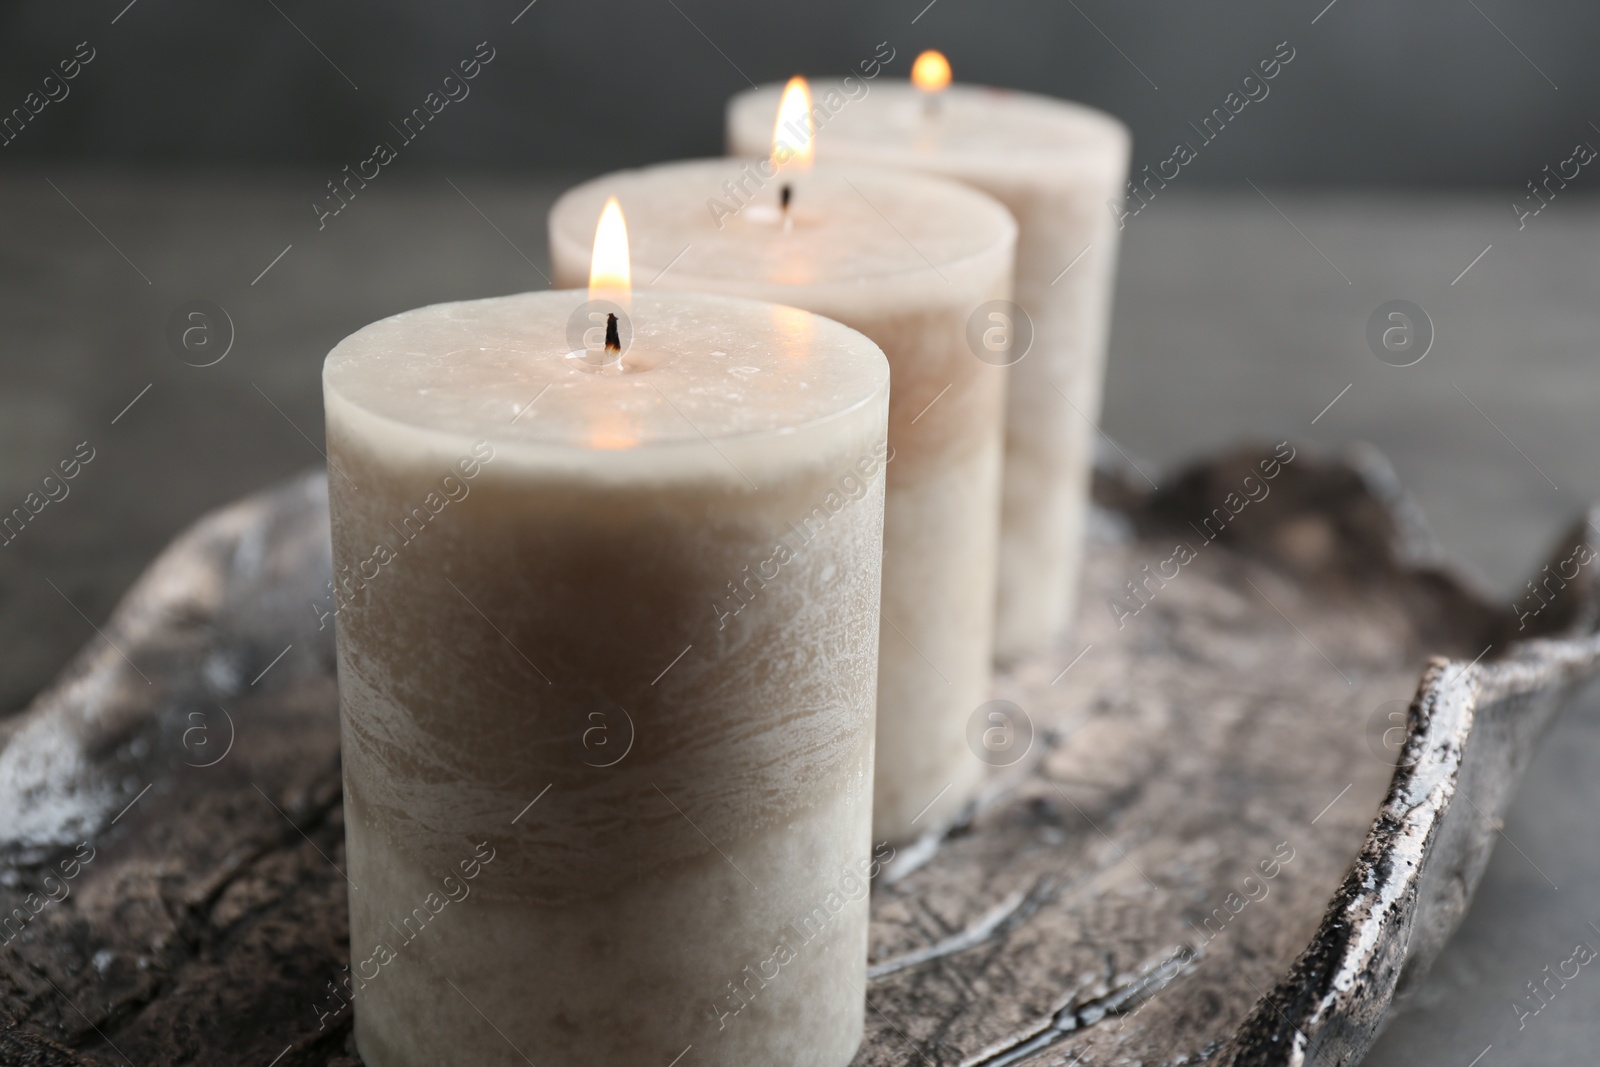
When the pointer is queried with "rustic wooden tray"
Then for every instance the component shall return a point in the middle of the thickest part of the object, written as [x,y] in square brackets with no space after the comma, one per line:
[1216,847]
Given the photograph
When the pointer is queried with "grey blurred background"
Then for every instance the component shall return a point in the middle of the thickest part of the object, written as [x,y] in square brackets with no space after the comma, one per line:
[184,159]
[1431,92]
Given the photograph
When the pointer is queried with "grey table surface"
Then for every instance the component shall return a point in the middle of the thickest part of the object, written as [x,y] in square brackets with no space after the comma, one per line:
[1238,317]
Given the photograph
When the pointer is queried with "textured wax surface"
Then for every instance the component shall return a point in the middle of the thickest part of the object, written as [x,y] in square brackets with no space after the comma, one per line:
[1059,167]
[639,667]
[718,219]
[969,122]
[717,368]
[946,407]
[472,663]
[571,645]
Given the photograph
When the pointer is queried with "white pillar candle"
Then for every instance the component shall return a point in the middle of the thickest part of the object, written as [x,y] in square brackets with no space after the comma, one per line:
[1055,165]
[587,822]
[905,259]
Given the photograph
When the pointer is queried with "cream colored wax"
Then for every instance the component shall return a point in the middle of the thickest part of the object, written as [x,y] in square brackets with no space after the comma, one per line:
[904,259]
[590,821]
[1055,165]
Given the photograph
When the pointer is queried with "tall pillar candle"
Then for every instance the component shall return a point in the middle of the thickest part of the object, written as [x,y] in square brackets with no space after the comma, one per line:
[586,824]
[1055,165]
[906,260]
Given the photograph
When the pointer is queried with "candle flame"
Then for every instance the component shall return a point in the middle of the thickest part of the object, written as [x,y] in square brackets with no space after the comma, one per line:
[793,135]
[610,276]
[931,71]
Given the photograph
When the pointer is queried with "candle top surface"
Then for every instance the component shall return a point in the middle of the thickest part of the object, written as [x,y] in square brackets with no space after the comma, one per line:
[518,370]
[720,219]
[896,119]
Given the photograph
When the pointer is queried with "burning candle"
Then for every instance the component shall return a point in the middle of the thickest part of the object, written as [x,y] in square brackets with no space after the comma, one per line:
[1055,165]
[908,260]
[590,820]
